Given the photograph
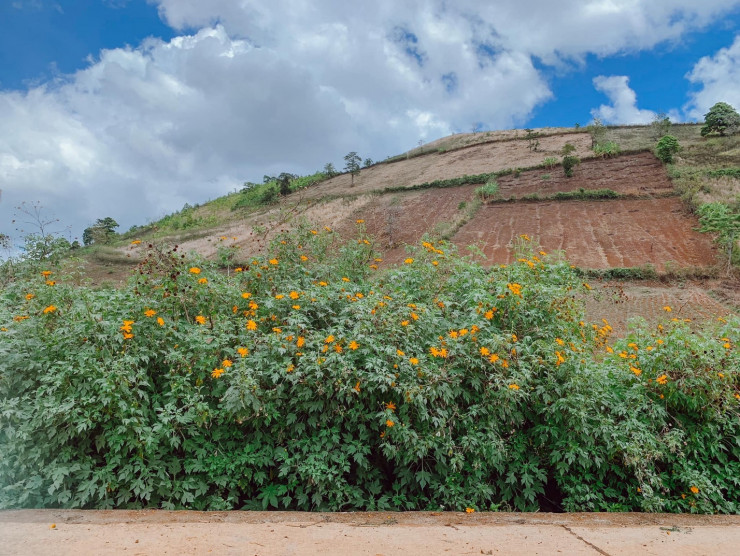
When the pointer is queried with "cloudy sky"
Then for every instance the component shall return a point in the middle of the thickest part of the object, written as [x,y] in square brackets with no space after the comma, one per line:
[132,108]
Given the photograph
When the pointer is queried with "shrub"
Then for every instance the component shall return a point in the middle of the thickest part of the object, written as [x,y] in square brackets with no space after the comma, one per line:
[570,162]
[606,149]
[488,191]
[550,162]
[307,382]
[666,148]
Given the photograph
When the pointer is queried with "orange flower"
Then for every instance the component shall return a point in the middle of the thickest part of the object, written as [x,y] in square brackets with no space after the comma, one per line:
[304,258]
[246,295]
[353,345]
[516,289]
[694,489]
[217,373]
[194,270]
[50,309]
[329,339]
[635,370]
[409,260]
[160,321]
[30,296]
[242,351]
[389,423]
[667,309]
[494,357]
[404,323]
[46,273]
[357,386]
[150,313]
[469,510]
[301,341]
[489,314]
[227,363]
[273,262]
[251,325]
[390,406]
[413,361]
[514,386]
[485,352]
[200,319]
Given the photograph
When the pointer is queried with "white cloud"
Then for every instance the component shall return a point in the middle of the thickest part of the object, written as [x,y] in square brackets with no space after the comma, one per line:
[623,108]
[719,78]
[257,86]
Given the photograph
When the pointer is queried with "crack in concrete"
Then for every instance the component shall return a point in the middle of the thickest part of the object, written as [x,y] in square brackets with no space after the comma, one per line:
[580,538]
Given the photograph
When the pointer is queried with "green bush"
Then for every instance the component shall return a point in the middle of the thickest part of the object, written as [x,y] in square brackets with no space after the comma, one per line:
[569,163]
[488,191]
[606,149]
[666,148]
[310,380]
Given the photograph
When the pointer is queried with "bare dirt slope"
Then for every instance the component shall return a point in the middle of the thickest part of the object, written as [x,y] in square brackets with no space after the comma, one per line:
[79,533]
[594,234]
[477,159]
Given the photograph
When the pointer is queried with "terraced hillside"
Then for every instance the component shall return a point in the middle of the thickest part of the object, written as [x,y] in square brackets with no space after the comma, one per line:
[621,216]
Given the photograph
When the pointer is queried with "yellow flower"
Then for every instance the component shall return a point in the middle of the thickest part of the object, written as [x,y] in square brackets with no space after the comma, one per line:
[560,358]
[516,289]
[242,351]
[127,335]
[667,309]
[194,270]
[160,321]
[136,242]
[585,285]
[217,373]
[50,309]
[30,296]
[404,323]
[469,510]
[277,330]
[46,273]
[200,319]
[338,348]
[635,370]
[400,353]
[494,357]
[413,361]
[296,307]
[304,258]
[279,296]
[525,237]
[694,489]
[485,352]
[514,338]
[414,316]
[246,295]
[453,333]
[514,386]
[409,260]
[251,325]
[227,363]
[360,221]
[273,262]
[488,314]
[294,295]
[51,283]
[353,345]
[290,368]
[150,313]
[662,379]
[356,387]
[301,341]
[20,318]
[329,339]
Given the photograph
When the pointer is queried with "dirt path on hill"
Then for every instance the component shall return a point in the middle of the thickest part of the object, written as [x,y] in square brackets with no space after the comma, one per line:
[78,533]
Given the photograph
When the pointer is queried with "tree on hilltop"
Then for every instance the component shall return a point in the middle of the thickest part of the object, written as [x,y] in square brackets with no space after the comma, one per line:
[352,164]
[721,118]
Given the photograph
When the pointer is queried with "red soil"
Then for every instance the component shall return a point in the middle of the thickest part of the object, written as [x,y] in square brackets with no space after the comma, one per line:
[638,174]
[594,234]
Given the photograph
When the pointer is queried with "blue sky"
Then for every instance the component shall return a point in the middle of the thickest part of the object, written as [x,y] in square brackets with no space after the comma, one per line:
[132,108]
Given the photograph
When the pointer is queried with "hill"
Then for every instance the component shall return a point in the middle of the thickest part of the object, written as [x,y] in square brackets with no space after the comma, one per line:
[624,216]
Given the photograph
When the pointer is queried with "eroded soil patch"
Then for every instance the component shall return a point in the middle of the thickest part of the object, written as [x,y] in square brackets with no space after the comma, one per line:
[595,234]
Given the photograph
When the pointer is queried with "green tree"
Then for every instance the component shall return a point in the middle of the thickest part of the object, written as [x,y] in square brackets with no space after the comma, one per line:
[283,181]
[570,161]
[721,118]
[102,231]
[329,170]
[598,132]
[660,125]
[367,163]
[666,148]
[352,165]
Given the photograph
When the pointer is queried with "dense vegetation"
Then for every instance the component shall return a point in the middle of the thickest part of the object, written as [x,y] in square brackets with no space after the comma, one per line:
[313,380]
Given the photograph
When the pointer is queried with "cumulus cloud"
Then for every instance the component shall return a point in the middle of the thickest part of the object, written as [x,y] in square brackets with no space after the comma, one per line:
[623,108]
[719,79]
[256,86]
